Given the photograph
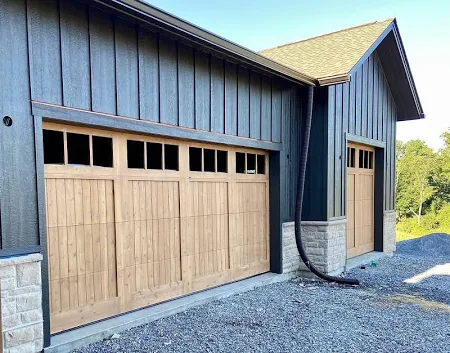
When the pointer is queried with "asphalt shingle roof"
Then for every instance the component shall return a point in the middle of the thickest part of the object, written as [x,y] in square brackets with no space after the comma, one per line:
[331,55]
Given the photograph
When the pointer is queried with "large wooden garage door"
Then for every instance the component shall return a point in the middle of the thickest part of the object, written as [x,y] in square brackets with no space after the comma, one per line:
[134,220]
[360,199]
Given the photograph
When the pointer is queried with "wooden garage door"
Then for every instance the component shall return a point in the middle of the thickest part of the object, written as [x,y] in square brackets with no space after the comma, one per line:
[135,220]
[360,199]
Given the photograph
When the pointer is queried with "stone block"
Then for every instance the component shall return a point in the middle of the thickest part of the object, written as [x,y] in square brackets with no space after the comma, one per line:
[31,316]
[8,284]
[28,274]
[7,272]
[19,336]
[29,302]
[8,306]
[10,321]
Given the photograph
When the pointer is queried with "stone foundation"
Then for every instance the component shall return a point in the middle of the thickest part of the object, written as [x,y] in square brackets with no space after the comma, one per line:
[21,300]
[324,243]
[389,227]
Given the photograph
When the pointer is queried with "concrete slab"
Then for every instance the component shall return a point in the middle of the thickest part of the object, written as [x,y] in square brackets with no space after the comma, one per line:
[67,341]
[365,259]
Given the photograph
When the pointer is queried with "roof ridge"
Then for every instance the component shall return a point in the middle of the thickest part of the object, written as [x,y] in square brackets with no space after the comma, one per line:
[327,34]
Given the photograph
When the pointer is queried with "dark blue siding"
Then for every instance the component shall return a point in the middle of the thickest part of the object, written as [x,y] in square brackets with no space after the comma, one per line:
[374,117]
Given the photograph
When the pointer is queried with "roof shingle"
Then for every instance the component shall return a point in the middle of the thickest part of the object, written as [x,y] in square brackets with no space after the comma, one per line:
[331,55]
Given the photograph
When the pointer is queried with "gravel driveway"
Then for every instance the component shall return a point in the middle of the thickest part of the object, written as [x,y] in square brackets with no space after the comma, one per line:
[384,314]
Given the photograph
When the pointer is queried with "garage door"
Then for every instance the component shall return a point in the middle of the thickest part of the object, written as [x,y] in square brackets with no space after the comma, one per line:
[135,220]
[360,199]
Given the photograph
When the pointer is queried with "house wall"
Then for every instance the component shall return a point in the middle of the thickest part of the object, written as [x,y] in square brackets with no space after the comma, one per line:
[72,54]
[362,107]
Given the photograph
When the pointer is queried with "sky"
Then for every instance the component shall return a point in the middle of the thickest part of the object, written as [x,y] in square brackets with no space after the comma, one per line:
[424,27]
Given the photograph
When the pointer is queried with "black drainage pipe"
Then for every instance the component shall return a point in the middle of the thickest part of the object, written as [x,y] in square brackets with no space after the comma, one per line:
[299,200]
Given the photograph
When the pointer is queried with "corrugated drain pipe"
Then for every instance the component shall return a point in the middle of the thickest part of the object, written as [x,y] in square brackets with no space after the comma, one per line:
[299,200]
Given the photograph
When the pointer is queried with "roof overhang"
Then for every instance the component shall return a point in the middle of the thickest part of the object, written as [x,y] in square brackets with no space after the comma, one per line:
[205,39]
[391,53]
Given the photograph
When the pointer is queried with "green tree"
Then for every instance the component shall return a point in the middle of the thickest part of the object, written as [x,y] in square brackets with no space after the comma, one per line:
[416,166]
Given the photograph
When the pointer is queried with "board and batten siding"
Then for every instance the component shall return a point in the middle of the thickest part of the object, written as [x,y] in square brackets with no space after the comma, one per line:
[362,107]
[71,54]
[86,58]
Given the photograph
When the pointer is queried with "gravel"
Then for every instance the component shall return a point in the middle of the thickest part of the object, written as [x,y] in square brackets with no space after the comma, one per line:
[383,314]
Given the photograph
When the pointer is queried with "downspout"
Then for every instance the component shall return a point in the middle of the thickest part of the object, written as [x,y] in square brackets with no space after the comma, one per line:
[299,200]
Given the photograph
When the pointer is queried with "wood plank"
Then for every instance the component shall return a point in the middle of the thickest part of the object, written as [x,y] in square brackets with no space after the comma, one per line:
[202,91]
[243,102]
[231,94]
[45,51]
[148,75]
[186,79]
[217,95]
[255,105]
[127,69]
[75,55]
[103,61]
[168,81]
[266,109]
[276,112]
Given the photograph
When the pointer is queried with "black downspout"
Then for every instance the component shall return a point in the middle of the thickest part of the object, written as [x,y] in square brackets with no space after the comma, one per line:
[299,200]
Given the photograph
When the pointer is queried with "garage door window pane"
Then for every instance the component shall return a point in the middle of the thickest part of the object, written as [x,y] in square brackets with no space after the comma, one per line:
[251,163]
[240,162]
[261,164]
[195,159]
[53,147]
[102,151]
[171,157]
[154,155]
[135,154]
[78,149]
[222,161]
[209,160]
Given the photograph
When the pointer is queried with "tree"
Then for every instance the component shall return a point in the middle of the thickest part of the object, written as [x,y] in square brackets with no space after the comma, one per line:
[416,167]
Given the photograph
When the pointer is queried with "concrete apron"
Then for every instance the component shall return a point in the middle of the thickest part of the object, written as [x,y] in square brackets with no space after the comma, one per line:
[70,340]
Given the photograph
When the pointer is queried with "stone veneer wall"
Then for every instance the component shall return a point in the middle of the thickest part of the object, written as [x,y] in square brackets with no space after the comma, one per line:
[21,300]
[324,242]
[389,231]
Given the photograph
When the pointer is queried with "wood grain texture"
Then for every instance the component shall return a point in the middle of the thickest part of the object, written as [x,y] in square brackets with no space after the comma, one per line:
[76,73]
[103,62]
[148,75]
[202,91]
[120,238]
[168,81]
[243,102]
[186,79]
[127,70]
[231,99]
[45,51]
[217,95]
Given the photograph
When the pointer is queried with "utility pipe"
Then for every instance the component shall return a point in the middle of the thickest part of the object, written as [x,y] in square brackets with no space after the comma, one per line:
[299,200]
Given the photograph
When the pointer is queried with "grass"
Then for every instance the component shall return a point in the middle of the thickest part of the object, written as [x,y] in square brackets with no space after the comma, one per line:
[400,235]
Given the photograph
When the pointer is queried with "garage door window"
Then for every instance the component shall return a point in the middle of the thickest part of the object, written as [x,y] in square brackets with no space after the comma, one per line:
[152,156]
[208,160]
[250,163]
[70,148]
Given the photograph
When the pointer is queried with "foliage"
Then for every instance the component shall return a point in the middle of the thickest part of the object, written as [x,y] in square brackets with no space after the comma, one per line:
[423,188]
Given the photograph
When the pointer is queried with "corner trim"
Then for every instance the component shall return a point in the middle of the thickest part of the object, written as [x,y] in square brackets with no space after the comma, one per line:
[120,123]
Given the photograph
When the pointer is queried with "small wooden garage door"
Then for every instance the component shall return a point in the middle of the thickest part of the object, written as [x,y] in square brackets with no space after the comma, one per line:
[360,199]
[135,220]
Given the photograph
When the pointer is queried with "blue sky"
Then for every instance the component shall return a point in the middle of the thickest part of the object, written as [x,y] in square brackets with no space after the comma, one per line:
[424,27]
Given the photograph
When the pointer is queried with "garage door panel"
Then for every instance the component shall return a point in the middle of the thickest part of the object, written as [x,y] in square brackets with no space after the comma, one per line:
[360,205]
[124,237]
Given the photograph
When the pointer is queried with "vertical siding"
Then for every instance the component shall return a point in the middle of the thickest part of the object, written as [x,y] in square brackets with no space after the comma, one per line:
[363,107]
[19,227]
[87,58]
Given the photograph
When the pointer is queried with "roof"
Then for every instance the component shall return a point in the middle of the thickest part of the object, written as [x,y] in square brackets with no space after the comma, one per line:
[333,58]
[179,27]
[329,57]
